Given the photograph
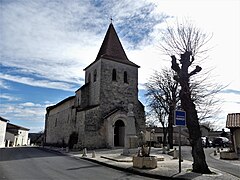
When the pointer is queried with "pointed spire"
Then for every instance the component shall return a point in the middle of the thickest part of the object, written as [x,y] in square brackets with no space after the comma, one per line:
[111,46]
[112,49]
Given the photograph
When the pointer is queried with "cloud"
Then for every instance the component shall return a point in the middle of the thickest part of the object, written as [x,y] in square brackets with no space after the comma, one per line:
[27,111]
[232,91]
[4,85]
[30,104]
[26,114]
[39,83]
[56,39]
[8,97]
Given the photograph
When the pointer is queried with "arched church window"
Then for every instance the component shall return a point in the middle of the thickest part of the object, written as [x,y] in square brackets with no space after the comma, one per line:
[89,77]
[114,75]
[95,75]
[125,77]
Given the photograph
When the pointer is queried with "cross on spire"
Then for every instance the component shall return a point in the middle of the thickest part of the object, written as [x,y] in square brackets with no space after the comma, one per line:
[111,19]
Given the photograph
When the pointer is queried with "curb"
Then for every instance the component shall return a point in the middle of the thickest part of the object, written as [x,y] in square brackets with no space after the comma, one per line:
[116,160]
[129,170]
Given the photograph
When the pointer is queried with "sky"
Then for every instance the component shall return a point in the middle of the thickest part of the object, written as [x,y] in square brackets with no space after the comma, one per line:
[45,45]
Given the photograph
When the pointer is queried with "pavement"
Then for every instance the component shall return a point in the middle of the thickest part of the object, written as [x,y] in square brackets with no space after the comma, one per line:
[167,167]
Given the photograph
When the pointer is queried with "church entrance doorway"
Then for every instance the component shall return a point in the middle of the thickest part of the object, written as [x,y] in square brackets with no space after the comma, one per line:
[119,133]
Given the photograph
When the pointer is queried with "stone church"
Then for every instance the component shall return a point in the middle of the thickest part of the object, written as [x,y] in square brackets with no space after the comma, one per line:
[105,112]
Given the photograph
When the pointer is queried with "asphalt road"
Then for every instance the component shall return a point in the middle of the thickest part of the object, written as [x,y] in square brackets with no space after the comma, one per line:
[28,163]
[212,162]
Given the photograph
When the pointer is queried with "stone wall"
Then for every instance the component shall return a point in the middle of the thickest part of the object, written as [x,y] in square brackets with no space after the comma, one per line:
[90,129]
[119,94]
[60,123]
[94,83]
[115,94]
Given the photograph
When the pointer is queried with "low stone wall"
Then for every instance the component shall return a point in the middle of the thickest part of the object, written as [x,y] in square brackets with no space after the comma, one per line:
[228,155]
[145,162]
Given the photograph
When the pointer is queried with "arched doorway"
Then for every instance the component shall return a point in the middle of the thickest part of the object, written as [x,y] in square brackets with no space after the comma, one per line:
[119,133]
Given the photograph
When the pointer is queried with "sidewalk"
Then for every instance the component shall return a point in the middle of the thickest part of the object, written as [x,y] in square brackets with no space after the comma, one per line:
[235,162]
[167,169]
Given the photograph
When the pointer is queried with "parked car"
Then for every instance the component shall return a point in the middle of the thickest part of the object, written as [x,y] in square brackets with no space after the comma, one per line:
[206,142]
[220,142]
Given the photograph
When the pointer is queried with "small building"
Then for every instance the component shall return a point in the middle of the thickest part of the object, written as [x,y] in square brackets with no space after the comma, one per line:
[3,126]
[16,135]
[12,135]
[233,123]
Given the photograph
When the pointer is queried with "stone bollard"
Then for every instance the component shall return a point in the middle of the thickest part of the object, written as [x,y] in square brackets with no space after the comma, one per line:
[214,152]
[175,154]
[218,150]
[164,150]
[84,152]
[67,149]
[168,147]
[93,154]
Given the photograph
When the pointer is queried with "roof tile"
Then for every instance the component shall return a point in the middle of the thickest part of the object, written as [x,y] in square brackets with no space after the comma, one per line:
[111,49]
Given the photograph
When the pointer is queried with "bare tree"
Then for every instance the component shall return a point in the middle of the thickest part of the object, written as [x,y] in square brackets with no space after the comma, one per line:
[162,95]
[187,41]
[204,94]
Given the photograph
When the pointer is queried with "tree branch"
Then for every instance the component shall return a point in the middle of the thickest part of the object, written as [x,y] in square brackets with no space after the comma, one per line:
[175,65]
[195,71]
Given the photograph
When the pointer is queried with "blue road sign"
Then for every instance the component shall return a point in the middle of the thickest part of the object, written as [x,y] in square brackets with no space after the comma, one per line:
[180,118]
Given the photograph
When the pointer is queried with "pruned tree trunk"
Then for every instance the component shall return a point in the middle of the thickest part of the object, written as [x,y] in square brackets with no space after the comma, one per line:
[199,162]
[170,127]
[164,137]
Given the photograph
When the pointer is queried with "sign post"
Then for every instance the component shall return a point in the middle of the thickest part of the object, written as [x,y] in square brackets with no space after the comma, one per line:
[180,120]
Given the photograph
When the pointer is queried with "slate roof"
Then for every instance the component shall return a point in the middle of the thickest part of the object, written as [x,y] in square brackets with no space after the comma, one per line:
[13,127]
[111,49]
[58,104]
[2,119]
[233,120]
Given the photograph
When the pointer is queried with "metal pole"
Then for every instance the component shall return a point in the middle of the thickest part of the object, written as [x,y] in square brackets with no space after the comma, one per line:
[179,154]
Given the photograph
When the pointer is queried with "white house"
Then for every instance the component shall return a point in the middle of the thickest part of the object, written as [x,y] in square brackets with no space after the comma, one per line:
[17,135]
[3,126]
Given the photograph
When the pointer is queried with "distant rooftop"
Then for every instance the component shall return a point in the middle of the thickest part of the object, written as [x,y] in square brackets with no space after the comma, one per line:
[233,120]
[13,126]
[3,119]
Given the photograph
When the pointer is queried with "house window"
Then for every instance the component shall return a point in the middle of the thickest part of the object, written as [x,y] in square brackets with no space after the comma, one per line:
[95,75]
[125,77]
[89,78]
[114,75]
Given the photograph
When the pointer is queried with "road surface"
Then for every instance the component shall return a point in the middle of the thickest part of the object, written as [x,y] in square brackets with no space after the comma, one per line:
[212,162]
[29,163]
